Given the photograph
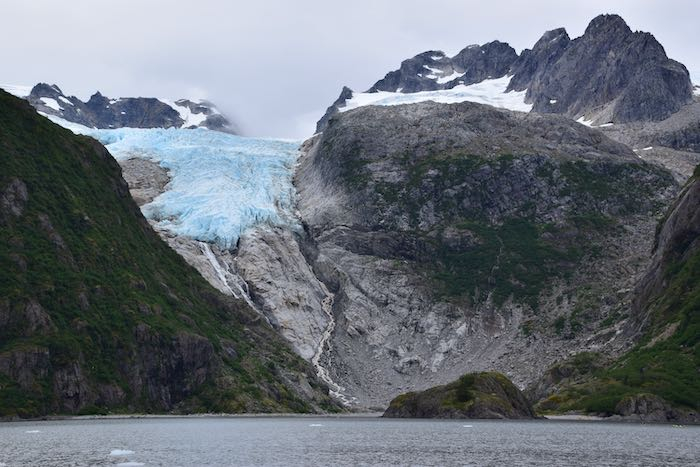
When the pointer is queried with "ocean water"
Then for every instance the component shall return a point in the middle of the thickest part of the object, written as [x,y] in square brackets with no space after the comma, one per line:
[288,441]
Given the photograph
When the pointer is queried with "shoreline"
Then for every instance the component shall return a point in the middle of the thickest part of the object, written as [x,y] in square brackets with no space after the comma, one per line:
[375,415]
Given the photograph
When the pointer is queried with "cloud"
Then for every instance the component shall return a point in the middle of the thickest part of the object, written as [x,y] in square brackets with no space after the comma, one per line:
[273,65]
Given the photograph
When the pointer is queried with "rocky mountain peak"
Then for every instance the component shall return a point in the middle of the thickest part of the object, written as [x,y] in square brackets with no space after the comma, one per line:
[607,25]
[46,90]
[555,35]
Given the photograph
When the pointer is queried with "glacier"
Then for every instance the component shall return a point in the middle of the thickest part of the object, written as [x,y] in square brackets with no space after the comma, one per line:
[220,184]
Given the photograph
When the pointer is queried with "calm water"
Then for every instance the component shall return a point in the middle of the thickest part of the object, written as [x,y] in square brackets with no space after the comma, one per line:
[343,441]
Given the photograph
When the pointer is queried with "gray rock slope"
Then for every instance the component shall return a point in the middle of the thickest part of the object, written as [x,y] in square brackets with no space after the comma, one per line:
[610,74]
[461,238]
[133,112]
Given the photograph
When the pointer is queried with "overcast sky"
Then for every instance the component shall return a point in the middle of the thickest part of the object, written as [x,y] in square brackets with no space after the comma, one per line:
[274,66]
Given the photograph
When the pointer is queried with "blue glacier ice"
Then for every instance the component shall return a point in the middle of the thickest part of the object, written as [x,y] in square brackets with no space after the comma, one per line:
[221,184]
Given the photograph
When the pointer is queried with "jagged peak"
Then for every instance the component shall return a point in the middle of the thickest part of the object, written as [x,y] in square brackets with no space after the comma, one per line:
[555,35]
[605,24]
[45,88]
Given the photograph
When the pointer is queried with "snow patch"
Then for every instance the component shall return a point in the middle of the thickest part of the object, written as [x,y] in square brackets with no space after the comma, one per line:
[605,125]
[437,57]
[696,89]
[16,90]
[51,103]
[452,77]
[32,431]
[491,92]
[583,121]
[552,101]
[190,118]
[64,100]
[433,70]
[130,464]
[649,148]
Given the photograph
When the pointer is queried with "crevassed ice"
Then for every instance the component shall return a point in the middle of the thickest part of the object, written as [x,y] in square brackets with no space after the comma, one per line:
[221,184]
[490,91]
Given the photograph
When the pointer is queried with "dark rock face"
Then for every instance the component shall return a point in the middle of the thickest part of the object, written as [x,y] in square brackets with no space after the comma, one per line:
[610,73]
[132,112]
[479,396]
[491,60]
[678,239]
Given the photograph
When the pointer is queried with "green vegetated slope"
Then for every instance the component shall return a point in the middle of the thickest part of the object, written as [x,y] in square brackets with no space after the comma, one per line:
[661,373]
[98,314]
[474,395]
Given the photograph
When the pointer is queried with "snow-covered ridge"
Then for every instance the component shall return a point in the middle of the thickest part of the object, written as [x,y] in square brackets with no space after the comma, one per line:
[490,91]
[125,112]
[16,90]
[221,184]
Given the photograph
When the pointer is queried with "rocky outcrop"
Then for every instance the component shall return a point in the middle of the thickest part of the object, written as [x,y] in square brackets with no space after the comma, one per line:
[344,96]
[479,395]
[653,409]
[132,112]
[461,238]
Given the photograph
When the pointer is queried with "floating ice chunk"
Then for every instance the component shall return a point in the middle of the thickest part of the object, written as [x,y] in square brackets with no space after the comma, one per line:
[491,92]
[51,103]
[120,452]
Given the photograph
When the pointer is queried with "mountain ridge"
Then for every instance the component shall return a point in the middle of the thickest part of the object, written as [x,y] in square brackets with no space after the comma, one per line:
[130,112]
[560,75]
